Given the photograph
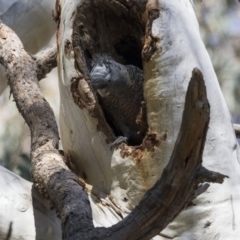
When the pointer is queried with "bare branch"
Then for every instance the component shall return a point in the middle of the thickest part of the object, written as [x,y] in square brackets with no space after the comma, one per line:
[45,61]
[210,176]
[51,176]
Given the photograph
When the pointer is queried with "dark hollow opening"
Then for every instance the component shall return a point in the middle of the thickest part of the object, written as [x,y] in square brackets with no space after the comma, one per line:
[129,48]
[106,27]
[109,28]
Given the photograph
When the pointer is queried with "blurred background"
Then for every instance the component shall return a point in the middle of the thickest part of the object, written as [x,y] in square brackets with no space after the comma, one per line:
[219,22]
[33,22]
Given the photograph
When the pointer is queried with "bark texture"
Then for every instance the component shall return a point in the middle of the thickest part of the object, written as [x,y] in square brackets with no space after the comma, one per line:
[50,174]
[46,61]
[167,37]
[53,178]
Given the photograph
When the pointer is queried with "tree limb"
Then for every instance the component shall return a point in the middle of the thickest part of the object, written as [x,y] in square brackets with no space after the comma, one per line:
[51,176]
[45,61]
[177,187]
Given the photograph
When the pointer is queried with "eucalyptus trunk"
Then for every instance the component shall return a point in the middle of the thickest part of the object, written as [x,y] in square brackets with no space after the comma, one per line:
[161,37]
[172,48]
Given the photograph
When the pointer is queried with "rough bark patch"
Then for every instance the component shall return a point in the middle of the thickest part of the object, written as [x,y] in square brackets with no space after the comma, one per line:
[115,28]
[150,41]
[149,143]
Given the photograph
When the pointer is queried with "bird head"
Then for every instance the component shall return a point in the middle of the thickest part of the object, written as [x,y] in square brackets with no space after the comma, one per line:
[100,74]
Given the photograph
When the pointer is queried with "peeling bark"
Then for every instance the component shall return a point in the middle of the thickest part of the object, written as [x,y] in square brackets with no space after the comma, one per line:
[179,183]
[51,176]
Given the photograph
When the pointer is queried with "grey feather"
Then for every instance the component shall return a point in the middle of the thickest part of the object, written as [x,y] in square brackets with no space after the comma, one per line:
[120,92]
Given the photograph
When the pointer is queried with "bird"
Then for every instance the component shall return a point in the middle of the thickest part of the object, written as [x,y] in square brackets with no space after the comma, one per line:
[119,89]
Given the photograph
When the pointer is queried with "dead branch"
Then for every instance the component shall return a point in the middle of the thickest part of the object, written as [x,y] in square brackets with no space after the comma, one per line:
[45,61]
[177,187]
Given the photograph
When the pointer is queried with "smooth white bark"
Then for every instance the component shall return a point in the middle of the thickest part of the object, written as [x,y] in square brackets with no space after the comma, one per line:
[28,211]
[113,178]
[182,50]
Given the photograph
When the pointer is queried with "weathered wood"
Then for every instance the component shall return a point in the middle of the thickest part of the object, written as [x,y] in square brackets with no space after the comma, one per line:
[179,183]
[50,174]
[46,60]
[172,48]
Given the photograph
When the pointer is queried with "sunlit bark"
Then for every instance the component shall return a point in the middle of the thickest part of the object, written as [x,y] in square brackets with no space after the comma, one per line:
[117,180]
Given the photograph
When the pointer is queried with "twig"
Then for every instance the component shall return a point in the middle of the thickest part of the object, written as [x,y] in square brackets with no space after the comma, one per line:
[50,174]
[45,61]
[177,187]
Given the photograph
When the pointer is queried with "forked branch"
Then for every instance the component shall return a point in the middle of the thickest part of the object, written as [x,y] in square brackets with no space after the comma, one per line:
[50,174]
[46,61]
[179,184]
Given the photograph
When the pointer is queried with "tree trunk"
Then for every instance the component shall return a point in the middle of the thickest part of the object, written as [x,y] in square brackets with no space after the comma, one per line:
[172,49]
[163,38]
